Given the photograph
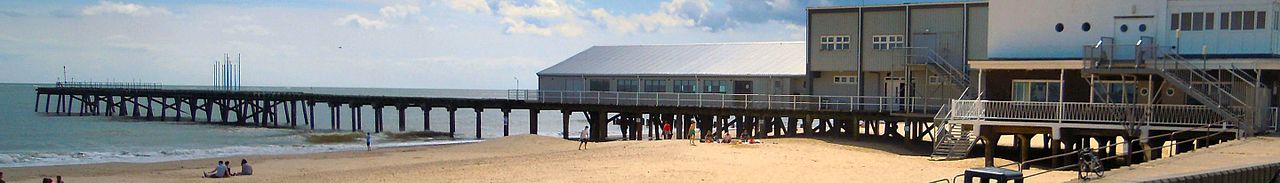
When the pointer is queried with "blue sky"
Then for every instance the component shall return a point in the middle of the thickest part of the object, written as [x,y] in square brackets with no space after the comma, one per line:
[478,44]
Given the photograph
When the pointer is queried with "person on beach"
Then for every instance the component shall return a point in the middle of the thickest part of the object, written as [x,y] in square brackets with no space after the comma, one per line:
[47,180]
[1,177]
[59,179]
[245,169]
[582,138]
[368,141]
[227,165]
[666,130]
[218,171]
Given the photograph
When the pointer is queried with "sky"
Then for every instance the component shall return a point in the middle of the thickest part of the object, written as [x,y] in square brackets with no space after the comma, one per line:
[451,44]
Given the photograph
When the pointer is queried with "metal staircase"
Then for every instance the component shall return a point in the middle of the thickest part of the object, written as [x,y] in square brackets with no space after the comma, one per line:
[1196,79]
[952,141]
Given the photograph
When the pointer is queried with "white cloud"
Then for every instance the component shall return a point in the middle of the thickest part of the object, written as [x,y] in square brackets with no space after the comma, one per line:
[247,29]
[677,13]
[556,17]
[399,11]
[361,21]
[108,7]
[471,6]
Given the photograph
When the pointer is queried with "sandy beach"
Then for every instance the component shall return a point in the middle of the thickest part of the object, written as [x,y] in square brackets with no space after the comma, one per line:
[528,158]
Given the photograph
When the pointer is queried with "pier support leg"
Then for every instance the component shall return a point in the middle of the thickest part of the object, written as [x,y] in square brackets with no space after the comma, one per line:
[377,119]
[38,102]
[598,125]
[990,140]
[478,115]
[452,120]
[149,109]
[1024,146]
[400,109]
[533,121]
[506,122]
[565,127]
[1055,146]
[335,117]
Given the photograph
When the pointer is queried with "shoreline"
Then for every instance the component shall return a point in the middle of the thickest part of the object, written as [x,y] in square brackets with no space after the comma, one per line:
[529,158]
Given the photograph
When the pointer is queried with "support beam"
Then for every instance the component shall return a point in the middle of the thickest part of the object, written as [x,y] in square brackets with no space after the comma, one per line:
[565,127]
[479,112]
[533,121]
[400,109]
[377,119]
[506,122]
[426,118]
[452,120]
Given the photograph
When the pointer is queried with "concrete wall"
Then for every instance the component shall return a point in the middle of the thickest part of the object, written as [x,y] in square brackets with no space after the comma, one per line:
[841,23]
[760,85]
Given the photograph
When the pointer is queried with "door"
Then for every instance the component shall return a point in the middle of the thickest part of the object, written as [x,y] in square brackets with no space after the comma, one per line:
[1128,31]
[894,90]
[742,87]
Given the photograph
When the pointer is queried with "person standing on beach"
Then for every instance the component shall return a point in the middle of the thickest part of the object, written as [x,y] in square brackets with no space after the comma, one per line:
[368,141]
[693,133]
[582,138]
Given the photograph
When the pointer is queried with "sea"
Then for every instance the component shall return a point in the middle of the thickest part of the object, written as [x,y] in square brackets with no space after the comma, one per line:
[29,138]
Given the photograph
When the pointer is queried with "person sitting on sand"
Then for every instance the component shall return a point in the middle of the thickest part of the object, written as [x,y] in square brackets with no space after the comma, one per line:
[218,171]
[47,180]
[582,139]
[245,169]
[1,177]
[59,179]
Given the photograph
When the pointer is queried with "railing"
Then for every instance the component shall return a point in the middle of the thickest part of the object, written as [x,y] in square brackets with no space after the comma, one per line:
[1077,112]
[124,85]
[956,75]
[739,101]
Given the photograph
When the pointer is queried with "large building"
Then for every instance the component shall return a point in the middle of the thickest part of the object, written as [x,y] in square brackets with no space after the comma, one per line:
[734,68]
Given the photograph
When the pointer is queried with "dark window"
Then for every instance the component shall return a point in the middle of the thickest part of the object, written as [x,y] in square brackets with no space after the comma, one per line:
[1208,21]
[1262,20]
[1249,20]
[1142,27]
[628,85]
[1085,27]
[1058,27]
[1226,21]
[655,86]
[1173,21]
[599,85]
[1236,18]
[1124,28]
[1187,20]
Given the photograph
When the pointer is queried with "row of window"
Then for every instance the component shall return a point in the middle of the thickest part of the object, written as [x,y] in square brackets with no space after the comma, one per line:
[1235,20]
[879,42]
[632,85]
[933,80]
[831,43]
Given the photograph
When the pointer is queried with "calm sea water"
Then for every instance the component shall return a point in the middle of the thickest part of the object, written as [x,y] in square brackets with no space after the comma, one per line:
[29,138]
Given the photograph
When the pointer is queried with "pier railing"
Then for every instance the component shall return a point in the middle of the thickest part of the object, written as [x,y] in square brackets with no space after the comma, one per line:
[740,101]
[1059,112]
[119,85]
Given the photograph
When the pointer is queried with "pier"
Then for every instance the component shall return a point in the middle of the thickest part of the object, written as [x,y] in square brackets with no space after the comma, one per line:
[748,115]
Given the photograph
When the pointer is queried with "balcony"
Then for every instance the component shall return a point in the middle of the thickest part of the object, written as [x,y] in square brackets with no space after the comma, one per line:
[1092,113]
[918,105]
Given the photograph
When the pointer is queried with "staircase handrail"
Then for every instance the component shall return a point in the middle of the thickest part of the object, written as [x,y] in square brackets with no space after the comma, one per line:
[955,74]
[1246,77]
[1198,72]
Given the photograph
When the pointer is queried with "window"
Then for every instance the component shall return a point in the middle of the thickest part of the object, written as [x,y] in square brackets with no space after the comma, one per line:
[1036,90]
[1085,27]
[575,85]
[1142,27]
[655,86]
[599,85]
[1243,20]
[628,85]
[716,86]
[685,86]
[847,80]
[1115,92]
[1058,27]
[1190,21]
[1124,28]
[833,43]
[885,42]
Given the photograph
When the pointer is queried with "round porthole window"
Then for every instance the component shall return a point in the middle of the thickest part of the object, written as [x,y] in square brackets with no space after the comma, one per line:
[1058,27]
[1144,91]
[1168,92]
[1124,28]
[1142,27]
[1085,27]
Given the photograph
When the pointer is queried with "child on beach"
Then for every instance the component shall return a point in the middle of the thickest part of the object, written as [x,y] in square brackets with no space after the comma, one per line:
[666,130]
[368,141]
[693,133]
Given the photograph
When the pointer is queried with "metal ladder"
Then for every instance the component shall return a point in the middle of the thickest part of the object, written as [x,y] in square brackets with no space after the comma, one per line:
[953,141]
[1211,92]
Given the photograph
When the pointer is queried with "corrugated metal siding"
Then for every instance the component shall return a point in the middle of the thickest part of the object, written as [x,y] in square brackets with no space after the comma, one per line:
[725,59]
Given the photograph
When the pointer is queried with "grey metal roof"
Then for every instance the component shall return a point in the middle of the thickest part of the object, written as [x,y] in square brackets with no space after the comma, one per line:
[716,59]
